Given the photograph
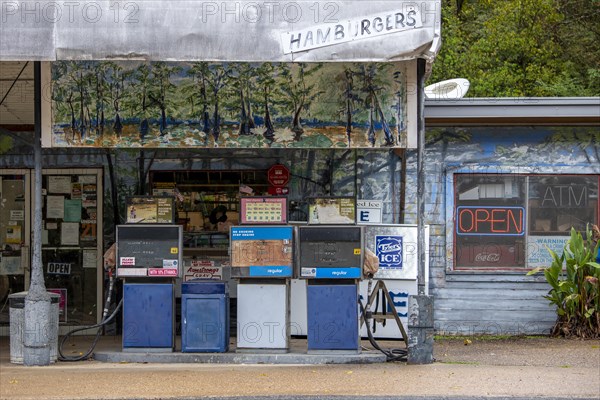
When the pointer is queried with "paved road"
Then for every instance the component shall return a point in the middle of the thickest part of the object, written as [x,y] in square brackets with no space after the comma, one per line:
[498,369]
[377,398]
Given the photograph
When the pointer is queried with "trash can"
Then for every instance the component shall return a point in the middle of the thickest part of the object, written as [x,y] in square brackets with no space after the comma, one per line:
[204,316]
[17,324]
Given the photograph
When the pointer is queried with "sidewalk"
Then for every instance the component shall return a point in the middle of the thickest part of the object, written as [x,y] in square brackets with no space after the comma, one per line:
[521,367]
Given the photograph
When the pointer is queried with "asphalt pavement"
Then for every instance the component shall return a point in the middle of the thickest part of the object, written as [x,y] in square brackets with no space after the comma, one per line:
[473,368]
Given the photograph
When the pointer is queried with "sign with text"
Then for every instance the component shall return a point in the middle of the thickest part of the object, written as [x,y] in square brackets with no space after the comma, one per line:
[350,30]
[278,175]
[332,210]
[369,211]
[59,268]
[389,251]
[396,249]
[537,249]
[498,255]
[150,210]
[202,269]
[490,221]
[261,251]
[263,210]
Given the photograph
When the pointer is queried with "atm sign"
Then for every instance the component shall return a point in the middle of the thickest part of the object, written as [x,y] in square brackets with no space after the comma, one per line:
[491,221]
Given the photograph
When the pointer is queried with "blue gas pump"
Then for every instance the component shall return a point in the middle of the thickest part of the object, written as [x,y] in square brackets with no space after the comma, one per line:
[330,258]
[149,260]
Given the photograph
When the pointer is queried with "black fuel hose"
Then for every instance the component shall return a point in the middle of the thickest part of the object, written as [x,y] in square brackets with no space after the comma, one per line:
[99,326]
[391,354]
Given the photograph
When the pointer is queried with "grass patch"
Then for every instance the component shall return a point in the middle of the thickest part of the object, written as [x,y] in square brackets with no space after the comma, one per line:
[459,362]
[474,337]
[484,337]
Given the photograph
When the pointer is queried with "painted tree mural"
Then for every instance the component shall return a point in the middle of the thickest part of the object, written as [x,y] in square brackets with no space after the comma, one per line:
[217,83]
[99,77]
[252,105]
[117,89]
[200,75]
[267,88]
[372,88]
[163,87]
[300,92]
[139,96]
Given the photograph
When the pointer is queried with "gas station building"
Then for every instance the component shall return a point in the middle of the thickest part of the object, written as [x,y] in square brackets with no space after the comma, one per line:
[309,107]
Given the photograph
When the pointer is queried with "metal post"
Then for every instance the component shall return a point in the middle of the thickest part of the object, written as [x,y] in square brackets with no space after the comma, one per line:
[36,336]
[421,174]
[420,307]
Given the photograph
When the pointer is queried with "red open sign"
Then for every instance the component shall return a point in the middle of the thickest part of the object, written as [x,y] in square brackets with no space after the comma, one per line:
[501,221]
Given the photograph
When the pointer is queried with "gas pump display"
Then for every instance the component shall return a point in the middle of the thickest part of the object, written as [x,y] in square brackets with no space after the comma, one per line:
[152,251]
[330,258]
[330,252]
[260,251]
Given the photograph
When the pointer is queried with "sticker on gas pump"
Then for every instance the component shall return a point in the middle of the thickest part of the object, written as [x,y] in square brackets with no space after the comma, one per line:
[357,252]
[389,251]
[127,261]
[310,272]
[170,263]
[174,250]
[162,272]
[121,272]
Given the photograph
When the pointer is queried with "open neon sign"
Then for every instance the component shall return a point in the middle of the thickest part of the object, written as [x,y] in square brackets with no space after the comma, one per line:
[491,221]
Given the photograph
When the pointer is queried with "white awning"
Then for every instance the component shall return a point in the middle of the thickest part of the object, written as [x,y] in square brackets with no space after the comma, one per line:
[257,31]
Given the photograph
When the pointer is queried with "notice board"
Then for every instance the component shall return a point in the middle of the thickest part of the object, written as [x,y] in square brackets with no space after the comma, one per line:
[149,250]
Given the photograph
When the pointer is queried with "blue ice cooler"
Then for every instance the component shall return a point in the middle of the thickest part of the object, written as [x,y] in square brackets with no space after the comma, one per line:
[148,317]
[204,316]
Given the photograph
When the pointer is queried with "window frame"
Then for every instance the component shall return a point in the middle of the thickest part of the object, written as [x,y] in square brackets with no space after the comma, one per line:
[476,169]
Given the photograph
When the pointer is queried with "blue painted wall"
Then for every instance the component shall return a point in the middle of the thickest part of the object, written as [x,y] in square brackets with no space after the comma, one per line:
[469,302]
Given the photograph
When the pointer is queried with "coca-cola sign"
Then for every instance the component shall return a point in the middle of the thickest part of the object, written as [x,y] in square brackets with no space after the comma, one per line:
[490,255]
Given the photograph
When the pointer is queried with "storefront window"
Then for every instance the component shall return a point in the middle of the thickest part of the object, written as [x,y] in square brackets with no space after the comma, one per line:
[13,249]
[505,222]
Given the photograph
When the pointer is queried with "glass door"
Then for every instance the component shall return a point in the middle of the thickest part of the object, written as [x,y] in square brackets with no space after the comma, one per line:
[72,242]
[14,236]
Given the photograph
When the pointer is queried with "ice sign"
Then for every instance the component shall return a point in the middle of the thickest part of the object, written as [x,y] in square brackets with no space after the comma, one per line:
[389,251]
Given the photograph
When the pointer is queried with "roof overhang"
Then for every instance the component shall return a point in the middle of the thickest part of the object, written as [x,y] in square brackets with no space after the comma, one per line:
[513,111]
[163,30]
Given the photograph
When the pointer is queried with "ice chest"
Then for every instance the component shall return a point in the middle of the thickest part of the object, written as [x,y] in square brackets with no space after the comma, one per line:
[204,316]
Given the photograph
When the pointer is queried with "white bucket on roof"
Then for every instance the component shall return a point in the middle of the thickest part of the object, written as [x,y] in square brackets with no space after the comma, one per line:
[448,90]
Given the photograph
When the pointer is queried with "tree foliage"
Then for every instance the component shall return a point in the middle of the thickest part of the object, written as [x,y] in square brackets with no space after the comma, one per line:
[521,47]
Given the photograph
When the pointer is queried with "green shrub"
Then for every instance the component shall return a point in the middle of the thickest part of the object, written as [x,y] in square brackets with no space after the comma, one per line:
[574,278]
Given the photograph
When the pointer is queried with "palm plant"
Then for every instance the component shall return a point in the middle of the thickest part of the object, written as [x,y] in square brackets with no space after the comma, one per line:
[574,278]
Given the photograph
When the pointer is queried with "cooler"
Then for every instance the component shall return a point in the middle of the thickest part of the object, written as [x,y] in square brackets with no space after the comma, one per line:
[204,316]
[148,317]
[332,316]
